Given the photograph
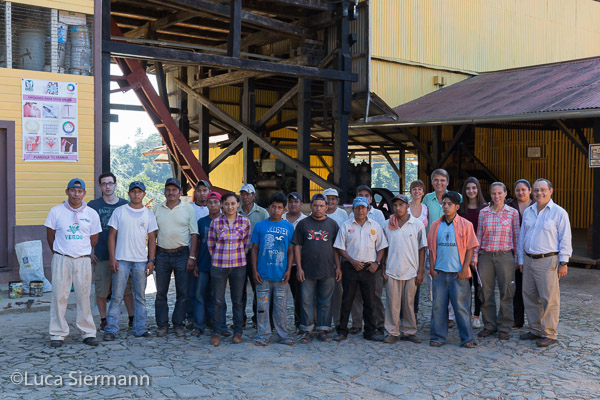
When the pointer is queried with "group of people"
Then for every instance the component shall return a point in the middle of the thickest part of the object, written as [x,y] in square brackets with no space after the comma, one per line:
[336,265]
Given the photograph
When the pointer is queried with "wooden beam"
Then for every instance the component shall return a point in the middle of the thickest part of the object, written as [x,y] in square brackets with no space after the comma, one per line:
[248,18]
[582,137]
[390,161]
[481,164]
[161,23]
[564,129]
[271,112]
[235,29]
[328,167]
[232,149]
[256,138]
[455,141]
[413,139]
[309,4]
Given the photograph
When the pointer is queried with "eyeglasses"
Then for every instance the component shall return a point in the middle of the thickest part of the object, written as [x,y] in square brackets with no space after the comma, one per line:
[105,184]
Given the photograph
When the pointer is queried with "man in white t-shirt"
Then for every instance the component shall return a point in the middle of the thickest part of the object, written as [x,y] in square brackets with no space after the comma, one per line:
[133,223]
[72,231]
[403,270]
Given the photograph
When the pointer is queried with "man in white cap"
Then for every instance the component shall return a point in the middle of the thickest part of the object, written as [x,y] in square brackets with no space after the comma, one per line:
[338,215]
[72,231]
[255,214]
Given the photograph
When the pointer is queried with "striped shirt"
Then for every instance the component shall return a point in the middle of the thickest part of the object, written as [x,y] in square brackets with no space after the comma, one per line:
[227,243]
[497,231]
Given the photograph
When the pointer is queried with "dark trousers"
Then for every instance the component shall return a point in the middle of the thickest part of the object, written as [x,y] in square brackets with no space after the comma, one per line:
[191,298]
[518,307]
[295,288]
[237,279]
[476,289]
[352,281]
[250,277]
[167,263]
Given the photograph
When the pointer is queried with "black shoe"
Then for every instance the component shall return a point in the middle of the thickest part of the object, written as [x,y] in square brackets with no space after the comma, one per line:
[410,338]
[179,331]
[197,332]
[145,335]
[375,337]
[381,330]
[162,331]
[56,343]
[529,336]
[109,337]
[90,341]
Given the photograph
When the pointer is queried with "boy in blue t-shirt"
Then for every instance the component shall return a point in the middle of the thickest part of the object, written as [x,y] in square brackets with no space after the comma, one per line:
[271,265]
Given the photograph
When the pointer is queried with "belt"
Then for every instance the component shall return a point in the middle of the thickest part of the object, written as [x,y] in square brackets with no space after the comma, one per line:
[537,256]
[177,250]
[64,255]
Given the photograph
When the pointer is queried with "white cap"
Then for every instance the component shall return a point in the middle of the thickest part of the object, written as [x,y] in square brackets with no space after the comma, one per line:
[247,187]
[330,192]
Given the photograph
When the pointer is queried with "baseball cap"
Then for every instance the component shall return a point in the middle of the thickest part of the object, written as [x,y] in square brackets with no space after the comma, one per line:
[319,196]
[76,183]
[360,201]
[247,187]
[364,187]
[453,196]
[330,192]
[401,197]
[203,183]
[137,185]
[174,182]
[295,195]
[214,195]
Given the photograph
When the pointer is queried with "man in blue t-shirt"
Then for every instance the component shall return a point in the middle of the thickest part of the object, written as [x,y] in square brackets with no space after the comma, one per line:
[104,206]
[204,296]
[271,258]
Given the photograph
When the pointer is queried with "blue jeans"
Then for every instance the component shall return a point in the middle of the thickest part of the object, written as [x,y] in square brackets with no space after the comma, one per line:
[324,290]
[167,263]
[119,282]
[237,280]
[458,292]
[204,303]
[190,307]
[271,292]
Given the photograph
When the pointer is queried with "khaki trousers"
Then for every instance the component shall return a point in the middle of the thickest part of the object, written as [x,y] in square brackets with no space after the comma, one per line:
[67,271]
[497,266]
[400,295]
[378,310]
[541,295]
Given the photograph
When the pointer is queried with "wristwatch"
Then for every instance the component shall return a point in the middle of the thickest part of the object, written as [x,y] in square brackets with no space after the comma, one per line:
[378,262]
[152,260]
[193,258]
[562,263]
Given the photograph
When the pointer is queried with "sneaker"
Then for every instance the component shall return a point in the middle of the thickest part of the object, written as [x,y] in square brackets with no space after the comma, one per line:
[389,339]
[475,322]
[306,337]
[237,338]
[90,341]
[162,331]
[179,331]
[109,337]
[410,338]
[215,340]
[56,343]
[197,332]
[144,335]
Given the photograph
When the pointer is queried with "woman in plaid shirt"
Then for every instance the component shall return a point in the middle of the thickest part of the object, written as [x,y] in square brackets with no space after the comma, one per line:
[495,260]
[228,242]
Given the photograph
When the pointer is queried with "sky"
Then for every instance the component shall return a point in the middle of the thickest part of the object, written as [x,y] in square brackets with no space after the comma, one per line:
[123,132]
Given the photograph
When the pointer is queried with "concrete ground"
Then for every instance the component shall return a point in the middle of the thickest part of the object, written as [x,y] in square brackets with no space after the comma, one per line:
[355,369]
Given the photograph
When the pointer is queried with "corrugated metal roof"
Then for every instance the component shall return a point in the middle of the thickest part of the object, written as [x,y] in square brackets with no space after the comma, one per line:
[542,91]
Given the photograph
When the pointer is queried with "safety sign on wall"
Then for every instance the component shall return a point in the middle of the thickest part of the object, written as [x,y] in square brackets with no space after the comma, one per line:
[50,126]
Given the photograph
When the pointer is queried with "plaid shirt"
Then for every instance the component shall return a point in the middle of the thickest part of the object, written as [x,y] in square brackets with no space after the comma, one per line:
[498,231]
[228,244]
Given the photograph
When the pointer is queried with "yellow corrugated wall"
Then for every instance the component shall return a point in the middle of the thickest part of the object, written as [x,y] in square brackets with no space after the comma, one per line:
[40,185]
[504,152]
[82,6]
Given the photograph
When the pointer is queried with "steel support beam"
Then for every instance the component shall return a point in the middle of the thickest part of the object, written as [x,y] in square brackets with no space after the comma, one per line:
[128,50]
[252,135]
[105,77]
[304,120]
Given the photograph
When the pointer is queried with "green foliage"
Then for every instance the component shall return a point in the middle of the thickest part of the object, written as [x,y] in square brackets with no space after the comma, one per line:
[129,164]
[384,176]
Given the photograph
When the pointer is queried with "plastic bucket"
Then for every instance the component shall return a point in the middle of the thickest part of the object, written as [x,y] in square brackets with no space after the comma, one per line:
[31,49]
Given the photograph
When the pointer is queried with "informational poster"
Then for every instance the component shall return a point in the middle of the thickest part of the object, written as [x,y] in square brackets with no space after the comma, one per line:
[594,153]
[50,125]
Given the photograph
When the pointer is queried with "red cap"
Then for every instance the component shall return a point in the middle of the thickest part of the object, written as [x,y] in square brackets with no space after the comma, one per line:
[213,195]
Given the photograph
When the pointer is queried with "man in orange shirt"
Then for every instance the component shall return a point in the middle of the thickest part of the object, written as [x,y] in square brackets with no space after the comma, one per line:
[451,241]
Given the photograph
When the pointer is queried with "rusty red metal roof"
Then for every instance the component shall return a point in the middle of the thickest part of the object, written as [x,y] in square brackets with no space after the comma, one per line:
[536,92]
